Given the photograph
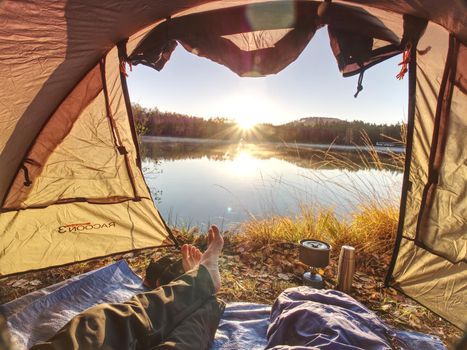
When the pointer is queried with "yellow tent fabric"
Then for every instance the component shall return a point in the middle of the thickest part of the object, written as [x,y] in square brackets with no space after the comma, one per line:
[431,261]
[79,193]
[71,186]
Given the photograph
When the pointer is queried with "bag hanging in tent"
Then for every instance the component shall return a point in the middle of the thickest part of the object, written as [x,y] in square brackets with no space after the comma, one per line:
[351,52]
[358,39]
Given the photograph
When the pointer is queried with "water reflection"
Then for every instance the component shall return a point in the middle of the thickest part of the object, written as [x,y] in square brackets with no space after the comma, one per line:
[198,183]
[302,155]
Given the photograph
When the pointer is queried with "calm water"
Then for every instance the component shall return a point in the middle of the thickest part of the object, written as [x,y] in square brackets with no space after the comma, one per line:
[198,182]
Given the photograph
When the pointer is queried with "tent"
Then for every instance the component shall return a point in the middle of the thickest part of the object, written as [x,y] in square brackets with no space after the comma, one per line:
[71,186]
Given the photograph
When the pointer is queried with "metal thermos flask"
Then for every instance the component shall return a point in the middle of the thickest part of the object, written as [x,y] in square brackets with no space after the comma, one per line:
[346,268]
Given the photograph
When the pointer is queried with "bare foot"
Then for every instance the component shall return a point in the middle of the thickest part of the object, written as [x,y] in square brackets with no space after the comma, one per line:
[210,258]
[191,257]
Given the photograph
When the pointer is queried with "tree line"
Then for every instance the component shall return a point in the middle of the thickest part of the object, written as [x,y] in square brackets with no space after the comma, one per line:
[152,121]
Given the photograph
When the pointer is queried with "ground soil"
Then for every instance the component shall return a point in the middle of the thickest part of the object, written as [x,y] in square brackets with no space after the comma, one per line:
[260,275]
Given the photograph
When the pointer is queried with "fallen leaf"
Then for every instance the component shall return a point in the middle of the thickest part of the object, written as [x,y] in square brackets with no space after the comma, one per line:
[19,283]
[385,307]
[34,282]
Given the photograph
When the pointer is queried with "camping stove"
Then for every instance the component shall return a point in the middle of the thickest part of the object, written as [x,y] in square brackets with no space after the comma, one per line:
[314,254]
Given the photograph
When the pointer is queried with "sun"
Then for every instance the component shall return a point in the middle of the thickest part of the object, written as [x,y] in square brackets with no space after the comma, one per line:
[246,123]
[246,108]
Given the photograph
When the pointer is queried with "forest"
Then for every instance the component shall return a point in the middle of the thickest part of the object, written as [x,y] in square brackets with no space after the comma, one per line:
[153,122]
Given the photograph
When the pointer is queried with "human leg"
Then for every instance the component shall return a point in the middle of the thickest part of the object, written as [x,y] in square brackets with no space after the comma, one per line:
[197,330]
[148,318]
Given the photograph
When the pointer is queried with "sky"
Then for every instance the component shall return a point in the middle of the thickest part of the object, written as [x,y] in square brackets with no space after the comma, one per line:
[310,86]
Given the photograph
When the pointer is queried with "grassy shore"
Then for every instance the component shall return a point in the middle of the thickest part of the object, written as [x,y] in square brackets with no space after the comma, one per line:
[261,260]
[371,229]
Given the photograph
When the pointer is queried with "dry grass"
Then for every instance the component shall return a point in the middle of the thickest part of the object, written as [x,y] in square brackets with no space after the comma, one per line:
[370,227]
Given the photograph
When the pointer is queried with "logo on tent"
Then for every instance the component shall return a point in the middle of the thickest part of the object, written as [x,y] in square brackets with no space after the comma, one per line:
[86,226]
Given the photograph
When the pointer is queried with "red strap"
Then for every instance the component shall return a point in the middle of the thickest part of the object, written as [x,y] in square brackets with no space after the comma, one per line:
[405,61]
[123,67]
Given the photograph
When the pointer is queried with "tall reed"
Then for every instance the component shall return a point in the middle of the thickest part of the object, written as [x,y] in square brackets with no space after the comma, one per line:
[372,221]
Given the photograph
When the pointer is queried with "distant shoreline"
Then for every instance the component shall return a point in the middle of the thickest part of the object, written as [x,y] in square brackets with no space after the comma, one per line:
[333,147]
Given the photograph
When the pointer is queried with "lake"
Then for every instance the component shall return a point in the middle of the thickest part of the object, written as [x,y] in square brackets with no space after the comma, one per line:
[200,182]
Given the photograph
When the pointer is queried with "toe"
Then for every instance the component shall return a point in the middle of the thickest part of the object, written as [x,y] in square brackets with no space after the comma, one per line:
[197,255]
[210,236]
[192,253]
[186,257]
[185,251]
[216,235]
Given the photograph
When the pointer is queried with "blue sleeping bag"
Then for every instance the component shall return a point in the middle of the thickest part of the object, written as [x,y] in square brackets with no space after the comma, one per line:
[307,318]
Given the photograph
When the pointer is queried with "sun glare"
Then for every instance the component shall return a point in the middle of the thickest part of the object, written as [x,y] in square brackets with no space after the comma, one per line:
[244,164]
[247,108]
[245,124]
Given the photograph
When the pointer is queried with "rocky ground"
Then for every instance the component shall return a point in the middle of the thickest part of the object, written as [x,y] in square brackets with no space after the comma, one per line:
[259,275]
